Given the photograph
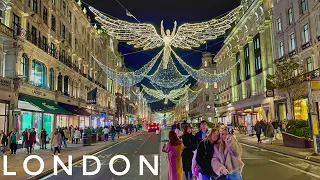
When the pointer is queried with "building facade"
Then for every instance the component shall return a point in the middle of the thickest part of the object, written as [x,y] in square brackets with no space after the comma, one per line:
[50,66]
[203,108]
[247,54]
[296,34]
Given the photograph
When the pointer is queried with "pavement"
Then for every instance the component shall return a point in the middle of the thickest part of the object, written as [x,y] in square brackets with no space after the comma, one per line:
[277,146]
[144,143]
[15,162]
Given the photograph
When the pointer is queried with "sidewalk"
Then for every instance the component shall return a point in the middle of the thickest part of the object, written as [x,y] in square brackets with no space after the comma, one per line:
[277,146]
[15,162]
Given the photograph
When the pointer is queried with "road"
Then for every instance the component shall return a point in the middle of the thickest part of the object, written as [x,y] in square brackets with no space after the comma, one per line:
[259,164]
[145,144]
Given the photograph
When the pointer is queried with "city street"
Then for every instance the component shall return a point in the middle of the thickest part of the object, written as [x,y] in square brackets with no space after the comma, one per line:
[143,144]
[259,164]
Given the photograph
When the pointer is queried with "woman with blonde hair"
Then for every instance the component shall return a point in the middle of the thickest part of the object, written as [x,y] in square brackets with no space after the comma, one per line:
[205,154]
[226,161]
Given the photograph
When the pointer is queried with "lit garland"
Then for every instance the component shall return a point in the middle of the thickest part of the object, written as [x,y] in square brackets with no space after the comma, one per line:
[171,95]
[169,77]
[129,78]
[202,75]
[146,97]
[187,36]
[167,90]
[187,98]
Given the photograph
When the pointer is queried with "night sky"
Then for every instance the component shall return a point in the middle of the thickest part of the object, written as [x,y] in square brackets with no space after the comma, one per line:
[153,11]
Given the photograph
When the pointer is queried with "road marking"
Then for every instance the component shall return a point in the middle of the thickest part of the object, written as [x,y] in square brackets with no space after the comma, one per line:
[297,169]
[80,161]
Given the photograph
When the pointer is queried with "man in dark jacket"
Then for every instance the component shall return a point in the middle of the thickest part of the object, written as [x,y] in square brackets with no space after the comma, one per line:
[204,155]
[184,124]
[202,133]
[275,125]
[258,128]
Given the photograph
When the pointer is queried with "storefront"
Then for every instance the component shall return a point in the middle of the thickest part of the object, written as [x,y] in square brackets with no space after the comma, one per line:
[80,116]
[4,107]
[301,109]
[102,119]
[37,113]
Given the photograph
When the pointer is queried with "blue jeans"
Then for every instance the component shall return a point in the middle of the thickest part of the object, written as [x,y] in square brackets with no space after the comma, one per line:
[236,175]
[106,136]
[204,177]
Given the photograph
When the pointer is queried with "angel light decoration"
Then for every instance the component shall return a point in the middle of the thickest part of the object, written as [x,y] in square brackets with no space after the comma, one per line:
[186,36]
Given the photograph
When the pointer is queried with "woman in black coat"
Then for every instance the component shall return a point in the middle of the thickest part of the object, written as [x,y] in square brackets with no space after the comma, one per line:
[190,145]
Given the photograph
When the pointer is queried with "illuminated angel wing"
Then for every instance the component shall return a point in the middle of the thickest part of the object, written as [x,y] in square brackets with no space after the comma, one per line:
[140,35]
[193,35]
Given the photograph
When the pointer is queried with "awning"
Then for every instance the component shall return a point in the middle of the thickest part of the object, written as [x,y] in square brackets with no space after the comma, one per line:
[46,106]
[74,109]
[24,105]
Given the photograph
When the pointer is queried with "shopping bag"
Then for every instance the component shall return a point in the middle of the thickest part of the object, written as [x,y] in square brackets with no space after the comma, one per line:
[24,148]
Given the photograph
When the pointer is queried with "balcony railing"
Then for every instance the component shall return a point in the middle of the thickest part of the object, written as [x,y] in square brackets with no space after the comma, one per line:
[306,45]
[6,30]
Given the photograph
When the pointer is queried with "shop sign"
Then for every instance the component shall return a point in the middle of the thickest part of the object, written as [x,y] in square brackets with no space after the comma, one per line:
[270,89]
[315,85]
[39,93]
[315,127]
[315,95]
[5,83]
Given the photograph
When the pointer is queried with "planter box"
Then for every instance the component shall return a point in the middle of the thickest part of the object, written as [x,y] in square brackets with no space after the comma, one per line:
[290,140]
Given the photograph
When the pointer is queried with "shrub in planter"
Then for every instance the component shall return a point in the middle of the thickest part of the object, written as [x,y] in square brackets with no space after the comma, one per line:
[297,134]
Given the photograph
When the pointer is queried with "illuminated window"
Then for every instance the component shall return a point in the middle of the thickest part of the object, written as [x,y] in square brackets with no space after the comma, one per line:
[39,74]
[207,85]
[205,63]
[301,109]
[215,85]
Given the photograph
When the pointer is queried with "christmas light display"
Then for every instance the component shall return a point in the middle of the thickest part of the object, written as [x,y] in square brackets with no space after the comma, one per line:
[129,78]
[186,36]
[171,95]
[187,98]
[169,77]
[202,75]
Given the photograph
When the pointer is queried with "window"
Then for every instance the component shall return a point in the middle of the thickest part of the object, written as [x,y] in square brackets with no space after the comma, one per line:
[35,6]
[66,85]
[53,23]
[257,54]
[207,98]
[214,71]
[205,64]
[281,49]
[279,26]
[54,2]
[70,16]
[247,62]
[51,83]
[34,35]
[309,64]
[24,67]
[60,82]
[304,7]
[45,15]
[238,68]
[38,74]
[64,8]
[16,24]
[53,50]
[215,85]
[44,44]
[111,44]
[306,33]
[292,43]
[63,31]
[29,3]
[290,15]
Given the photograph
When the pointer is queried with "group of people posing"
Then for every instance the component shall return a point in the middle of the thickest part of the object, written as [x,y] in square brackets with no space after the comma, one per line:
[207,155]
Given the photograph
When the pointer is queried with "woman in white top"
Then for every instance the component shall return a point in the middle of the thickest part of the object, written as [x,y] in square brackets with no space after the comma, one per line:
[178,131]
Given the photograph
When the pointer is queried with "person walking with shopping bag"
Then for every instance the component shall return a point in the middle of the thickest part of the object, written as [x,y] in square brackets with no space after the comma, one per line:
[55,142]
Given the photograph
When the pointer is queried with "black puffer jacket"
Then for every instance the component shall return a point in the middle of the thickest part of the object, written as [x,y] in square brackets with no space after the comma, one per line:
[204,157]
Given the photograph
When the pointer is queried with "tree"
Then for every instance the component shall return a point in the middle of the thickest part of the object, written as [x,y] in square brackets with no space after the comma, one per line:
[289,79]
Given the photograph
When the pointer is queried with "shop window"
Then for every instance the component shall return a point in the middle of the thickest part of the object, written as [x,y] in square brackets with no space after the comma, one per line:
[38,74]
[51,79]
[66,85]
[24,67]
[60,83]
[301,109]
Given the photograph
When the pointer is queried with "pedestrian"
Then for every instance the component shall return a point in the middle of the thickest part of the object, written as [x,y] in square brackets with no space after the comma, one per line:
[72,135]
[264,127]
[113,133]
[118,130]
[106,133]
[257,129]
[275,125]
[174,150]
[270,132]
[205,153]
[190,145]
[66,134]
[55,142]
[77,135]
[29,139]
[13,139]
[3,142]
[44,139]
[81,132]
[34,134]
[184,124]
[226,161]
[178,131]
[40,139]
[202,133]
